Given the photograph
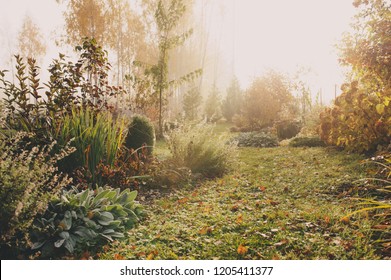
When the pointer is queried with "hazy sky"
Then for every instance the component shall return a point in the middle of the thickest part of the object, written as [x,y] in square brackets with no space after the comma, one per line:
[279,34]
[286,34]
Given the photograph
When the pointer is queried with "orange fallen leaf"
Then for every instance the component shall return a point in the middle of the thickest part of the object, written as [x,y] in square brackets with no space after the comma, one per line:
[262,188]
[239,219]
[152,255]
[205,230]
[345,220]
[242,249]
[183,200]
[327,219]
[118,257]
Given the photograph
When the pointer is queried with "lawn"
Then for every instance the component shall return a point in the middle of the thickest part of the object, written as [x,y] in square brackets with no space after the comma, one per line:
[280,203]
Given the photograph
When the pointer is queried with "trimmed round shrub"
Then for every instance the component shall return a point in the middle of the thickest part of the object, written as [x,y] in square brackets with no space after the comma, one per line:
[256,139]
[307,142]
[141,133]
[287,129]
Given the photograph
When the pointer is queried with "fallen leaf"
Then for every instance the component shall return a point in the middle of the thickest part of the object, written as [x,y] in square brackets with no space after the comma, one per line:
[235,208]
[381,227]
[205,230]
[263,235]
[118,257]
[262,188]
[208,208]
[282,242]
[273,203]
[152,254]
[242,249]
[239,219]
[327,219]
[345,220]
[183,200]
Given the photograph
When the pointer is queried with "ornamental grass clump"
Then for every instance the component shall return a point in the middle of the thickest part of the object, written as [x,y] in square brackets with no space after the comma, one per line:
[198,148]
[97,138]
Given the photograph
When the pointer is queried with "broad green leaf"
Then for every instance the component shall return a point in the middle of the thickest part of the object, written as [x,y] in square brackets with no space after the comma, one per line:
[37,245]
[106,236]
[64,234]
[132,196]
[59,243]
[67,221]
[69,246]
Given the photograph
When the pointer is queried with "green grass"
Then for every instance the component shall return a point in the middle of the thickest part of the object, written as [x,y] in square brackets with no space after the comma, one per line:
[282,203]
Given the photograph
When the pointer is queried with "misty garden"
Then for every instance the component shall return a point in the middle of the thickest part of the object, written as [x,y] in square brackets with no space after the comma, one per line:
[195,129]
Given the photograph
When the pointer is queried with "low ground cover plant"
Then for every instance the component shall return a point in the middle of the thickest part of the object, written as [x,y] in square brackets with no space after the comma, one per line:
[256,139]
[307,141]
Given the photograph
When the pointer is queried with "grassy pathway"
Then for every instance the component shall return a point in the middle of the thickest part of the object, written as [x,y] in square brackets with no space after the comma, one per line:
[281,203]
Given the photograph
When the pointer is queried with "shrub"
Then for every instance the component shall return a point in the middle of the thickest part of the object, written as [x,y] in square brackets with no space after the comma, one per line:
[83,82]
[28,181]
[232,103]
[141,133]
[97,138]
[256,139]
[307,142]
[265,99]
[311,123]
[287,129]
[86,219]
[359,121]
[241,124]
[130,169]
[202,151]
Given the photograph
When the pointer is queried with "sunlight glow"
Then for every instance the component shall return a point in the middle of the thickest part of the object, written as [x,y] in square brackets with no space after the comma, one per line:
[286,35]
[250,35]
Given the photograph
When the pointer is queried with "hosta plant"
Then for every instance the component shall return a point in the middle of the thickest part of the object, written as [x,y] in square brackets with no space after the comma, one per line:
[81,220]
